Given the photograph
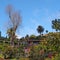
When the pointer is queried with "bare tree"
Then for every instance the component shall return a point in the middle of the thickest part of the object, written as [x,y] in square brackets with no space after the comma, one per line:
[15,19]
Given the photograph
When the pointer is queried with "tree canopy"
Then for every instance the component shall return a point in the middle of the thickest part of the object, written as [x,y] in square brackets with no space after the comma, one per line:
[56,24]
[40,29]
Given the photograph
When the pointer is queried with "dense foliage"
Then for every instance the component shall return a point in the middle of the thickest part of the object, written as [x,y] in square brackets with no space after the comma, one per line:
[56,24]
[48,48]
[40,29]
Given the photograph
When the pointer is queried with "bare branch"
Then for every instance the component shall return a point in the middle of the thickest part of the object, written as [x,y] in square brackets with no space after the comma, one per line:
[9,10]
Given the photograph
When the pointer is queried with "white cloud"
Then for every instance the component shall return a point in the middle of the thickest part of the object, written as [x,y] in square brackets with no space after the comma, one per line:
[18,36]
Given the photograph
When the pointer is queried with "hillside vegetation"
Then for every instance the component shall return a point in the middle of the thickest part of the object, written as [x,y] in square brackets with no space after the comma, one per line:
[47,48]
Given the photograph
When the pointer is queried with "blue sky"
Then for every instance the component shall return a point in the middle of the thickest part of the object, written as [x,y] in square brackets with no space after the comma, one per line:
[33,12]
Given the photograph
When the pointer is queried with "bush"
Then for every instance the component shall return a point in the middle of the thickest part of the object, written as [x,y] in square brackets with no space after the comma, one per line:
[10,52]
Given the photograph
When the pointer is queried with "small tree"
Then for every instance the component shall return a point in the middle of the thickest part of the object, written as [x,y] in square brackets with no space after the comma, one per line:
[27,37]
[40,29]
[46,31]
[32,37]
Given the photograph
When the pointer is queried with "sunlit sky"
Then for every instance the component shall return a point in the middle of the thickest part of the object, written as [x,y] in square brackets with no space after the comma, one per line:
[33,12]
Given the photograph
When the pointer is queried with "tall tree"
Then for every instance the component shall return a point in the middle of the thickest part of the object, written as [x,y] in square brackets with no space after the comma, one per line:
[40,29]
[15,19]
[56,24]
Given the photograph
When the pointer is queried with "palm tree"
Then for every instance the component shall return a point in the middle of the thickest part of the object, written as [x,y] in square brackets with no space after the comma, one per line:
[40,29]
